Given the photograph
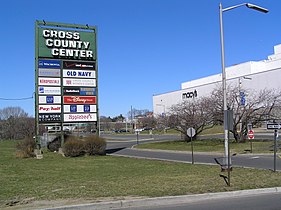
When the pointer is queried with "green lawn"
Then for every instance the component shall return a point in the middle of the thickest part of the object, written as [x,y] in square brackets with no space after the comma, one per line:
[211,145]
[55,177]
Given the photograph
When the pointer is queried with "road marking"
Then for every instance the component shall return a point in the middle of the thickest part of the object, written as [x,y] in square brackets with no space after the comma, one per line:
[126,141]
[256,157]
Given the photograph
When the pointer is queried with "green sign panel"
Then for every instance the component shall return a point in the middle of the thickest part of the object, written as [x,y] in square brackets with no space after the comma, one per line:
[66,44]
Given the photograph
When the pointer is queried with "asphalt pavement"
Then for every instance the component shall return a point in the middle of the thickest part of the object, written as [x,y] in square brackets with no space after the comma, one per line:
[263,201]
[258,199]
[123,145]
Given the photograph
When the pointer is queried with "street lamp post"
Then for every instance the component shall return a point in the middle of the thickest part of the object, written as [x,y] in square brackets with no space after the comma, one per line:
[226,126]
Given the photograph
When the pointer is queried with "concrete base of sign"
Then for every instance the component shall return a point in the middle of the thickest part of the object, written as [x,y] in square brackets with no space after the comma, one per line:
[39,157]
[61,152]
[38,153]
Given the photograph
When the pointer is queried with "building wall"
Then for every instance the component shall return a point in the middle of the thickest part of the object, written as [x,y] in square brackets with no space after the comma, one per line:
[254,76]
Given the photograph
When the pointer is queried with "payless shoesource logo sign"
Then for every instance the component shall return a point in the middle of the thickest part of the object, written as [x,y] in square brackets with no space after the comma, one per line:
[63,44]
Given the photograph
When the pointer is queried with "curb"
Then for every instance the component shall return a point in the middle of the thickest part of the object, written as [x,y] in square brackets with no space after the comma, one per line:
[161,159]
[167,200]
[176,151]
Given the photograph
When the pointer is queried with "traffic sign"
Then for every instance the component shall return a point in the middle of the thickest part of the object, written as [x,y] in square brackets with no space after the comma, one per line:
[251,134]
[242,99]
[191,132]
[273,126]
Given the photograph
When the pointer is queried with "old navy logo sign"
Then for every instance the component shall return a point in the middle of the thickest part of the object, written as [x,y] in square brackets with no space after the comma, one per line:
[49,64]
[189,94]
[79,73]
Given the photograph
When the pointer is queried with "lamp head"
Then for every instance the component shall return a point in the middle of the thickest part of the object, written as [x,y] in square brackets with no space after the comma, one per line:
[258,8]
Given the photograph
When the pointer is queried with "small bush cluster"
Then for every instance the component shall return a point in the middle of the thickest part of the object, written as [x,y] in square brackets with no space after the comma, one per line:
[73,148]
[94,145]
[91,145]
[25,148]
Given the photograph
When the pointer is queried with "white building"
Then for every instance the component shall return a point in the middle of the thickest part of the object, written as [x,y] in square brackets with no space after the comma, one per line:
[252,75]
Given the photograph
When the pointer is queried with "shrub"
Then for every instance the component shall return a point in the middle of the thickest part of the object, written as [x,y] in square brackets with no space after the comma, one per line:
[73,147]
[25,148]
[94,145]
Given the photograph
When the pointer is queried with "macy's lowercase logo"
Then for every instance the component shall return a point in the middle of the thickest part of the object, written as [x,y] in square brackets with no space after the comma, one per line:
[189,94]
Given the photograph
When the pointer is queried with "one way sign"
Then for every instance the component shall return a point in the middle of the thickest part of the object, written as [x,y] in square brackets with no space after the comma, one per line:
[273,126]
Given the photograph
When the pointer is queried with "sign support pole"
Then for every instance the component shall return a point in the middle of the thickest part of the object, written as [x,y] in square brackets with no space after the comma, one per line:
[191,132]
[275,148]
[228,161]
[37,140]
[192,157]
[251,144]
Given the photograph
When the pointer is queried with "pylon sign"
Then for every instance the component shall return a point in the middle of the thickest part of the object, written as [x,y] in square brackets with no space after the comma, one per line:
[66,74]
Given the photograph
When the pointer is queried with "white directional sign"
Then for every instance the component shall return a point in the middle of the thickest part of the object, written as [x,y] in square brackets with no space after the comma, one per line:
[273,126]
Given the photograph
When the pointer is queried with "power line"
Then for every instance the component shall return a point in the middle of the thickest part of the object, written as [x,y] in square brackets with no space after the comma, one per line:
[17,99]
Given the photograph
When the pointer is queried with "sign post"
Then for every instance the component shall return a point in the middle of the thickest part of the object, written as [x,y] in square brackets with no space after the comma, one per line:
[275,127]
[191,133]
[275,148]
[251,136]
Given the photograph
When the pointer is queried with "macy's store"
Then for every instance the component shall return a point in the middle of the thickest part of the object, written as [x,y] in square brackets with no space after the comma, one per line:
[262,74]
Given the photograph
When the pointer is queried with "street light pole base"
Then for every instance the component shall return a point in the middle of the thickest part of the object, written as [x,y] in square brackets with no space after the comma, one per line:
[226,169]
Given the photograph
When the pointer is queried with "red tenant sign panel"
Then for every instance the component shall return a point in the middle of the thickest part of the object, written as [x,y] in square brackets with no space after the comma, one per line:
[79,99]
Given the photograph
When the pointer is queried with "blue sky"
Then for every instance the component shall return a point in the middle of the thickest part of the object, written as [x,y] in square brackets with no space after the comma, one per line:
[145,47]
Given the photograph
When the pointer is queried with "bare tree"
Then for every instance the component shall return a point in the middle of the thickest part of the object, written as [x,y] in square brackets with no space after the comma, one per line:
[260,106]
[195,113]
[106,123]
[15,123]
[148,122]
[16,112]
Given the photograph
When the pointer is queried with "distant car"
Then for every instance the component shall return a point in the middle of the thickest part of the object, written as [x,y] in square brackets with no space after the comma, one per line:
[121,131]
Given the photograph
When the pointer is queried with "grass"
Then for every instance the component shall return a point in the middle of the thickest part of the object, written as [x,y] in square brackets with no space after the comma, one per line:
[213,130]
[55,177]
[211,145]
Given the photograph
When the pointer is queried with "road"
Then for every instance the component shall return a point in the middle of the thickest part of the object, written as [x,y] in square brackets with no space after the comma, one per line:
[121,145]
[127,141]
[270,201]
